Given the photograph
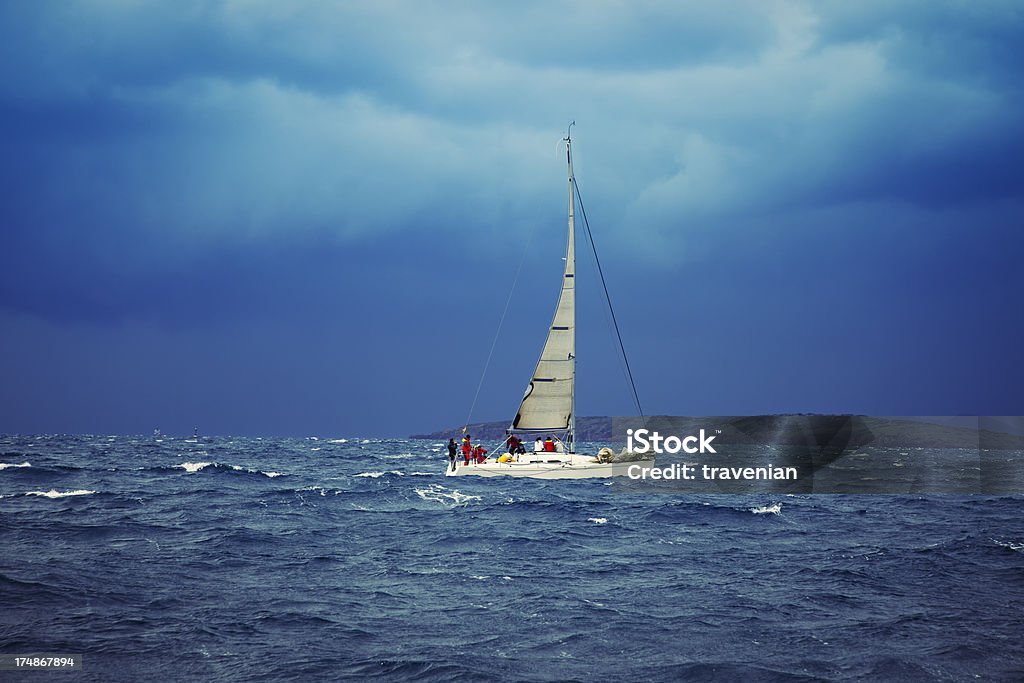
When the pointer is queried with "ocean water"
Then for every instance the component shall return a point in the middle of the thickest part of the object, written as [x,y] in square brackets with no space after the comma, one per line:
[231,559]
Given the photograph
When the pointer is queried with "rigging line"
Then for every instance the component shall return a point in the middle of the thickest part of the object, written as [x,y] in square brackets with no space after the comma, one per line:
[619,357]
[497,332]
[606,316]
[607,298]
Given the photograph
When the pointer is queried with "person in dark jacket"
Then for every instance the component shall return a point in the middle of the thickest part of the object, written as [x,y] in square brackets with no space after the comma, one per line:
[452,448]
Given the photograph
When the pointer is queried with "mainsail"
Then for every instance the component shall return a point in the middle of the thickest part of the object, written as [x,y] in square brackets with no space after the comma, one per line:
[549,404]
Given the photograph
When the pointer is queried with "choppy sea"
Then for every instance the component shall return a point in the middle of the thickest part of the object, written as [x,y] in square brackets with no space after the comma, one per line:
[231,559]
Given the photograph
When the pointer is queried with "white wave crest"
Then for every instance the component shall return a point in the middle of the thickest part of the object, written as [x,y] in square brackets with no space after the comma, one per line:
[194,466]
[439,494]
[5,465]
[53,493]
[337,441]
[374,475]
[320,489]
[768,510]
[598,520]
[239,468]
[1018,546]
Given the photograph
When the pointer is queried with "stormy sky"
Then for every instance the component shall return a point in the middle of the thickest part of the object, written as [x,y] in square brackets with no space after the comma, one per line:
[305,218]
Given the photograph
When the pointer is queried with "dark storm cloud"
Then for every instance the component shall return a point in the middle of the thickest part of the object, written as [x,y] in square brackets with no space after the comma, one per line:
[691,112]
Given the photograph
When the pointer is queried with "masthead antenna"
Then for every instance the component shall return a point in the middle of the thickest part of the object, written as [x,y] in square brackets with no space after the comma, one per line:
[568,132]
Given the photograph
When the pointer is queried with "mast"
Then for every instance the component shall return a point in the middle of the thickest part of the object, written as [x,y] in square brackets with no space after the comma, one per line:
[570,267]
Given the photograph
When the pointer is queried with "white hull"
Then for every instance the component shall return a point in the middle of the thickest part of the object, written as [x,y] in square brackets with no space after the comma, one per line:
[546,466]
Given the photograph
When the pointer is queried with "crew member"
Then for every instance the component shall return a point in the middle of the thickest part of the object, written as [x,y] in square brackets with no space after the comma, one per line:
[515,445]
[467,447]
[452,448]
[549,445]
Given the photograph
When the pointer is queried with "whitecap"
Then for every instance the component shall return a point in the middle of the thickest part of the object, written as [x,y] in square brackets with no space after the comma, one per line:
[239,468]
[1019,547]
[337,441]
[375,475]
[440,494]
[598,520]
[314,449]
[53,493]
[5,465]
[194,466]
[421,474]
[768,510]
[321,489]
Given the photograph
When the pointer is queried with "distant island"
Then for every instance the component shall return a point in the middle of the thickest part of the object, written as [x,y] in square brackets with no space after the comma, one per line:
[795,429]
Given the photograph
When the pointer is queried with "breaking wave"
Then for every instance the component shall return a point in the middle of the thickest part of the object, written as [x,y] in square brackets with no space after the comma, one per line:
[53,493]
[193,467]
[1011,545]
[439,494]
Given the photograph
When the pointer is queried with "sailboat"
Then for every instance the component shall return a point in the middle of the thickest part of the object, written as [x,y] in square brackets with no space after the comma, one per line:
[548,408]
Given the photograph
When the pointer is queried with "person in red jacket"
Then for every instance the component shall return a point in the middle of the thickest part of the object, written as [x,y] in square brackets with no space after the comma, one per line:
[466,447]
[479,453]
[515,446]
[549,445]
